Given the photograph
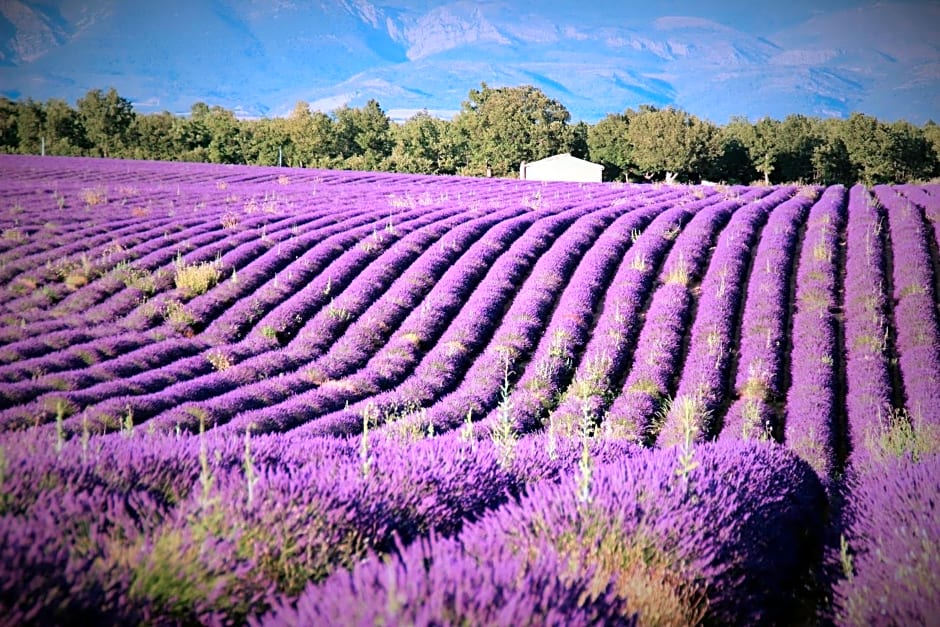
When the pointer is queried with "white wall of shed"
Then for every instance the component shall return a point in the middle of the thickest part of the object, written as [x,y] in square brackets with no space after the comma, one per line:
[562,170]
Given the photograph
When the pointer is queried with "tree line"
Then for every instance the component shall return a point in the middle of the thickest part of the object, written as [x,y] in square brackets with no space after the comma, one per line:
[495,130]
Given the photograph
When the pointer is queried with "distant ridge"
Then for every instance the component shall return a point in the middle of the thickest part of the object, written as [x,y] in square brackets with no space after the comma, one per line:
[259,58]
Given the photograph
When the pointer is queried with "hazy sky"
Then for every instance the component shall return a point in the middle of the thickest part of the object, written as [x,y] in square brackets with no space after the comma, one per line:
[248,55]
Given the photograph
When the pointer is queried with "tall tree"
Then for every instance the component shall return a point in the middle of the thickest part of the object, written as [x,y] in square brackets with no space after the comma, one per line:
[363,135]
[932,133]
[107,119]
[910,152]
[504,127]
[9,142]
[266,142]
[221,128]
[731,162]
[764,149]
[797,139]
[609,145]
[159,137]
[29,122]
[192,135]
[867,141]
[417,145]
[62,129]
[311,136]
[831,162]
[670,143]
[578,144]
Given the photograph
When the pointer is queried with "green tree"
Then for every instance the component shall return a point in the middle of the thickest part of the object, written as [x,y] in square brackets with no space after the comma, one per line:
[267,142]
[107,119]
[311,136]
[363,135]
[761,144]
[887,153]
[671,144]
[192,135]
[62,129]
[454,151]
[420,145]
[910,152]
[609,145]
[504,127]
[578,146]
[867,141]
[158,137]
[221,128]
[731,162]
[932,133]
[9,142]
[796,141]
[29,122]
[831,162]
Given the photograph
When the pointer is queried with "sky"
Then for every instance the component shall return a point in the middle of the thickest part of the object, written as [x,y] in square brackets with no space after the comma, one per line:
[258,57]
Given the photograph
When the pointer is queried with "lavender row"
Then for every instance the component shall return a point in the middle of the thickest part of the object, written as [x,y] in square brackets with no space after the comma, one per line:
[696,410]
[252,266]
[614,335]
[538,390]
[915,312]
[33,254]
[525,322]
[202,528]
[732,502]
[463,276]
[152,273]
[371,332]
[891,547]
[65,251]
[152,392]
[372,237]
[85,366]
[869,403]
[108,259]
[650,379]
[352,350]
[247,243]
[920,194]
[336,356]
[115,232]
[812,411]
[613,530]
[394,246]
[759,383]
[400,280]
[479,310]
[253,356]
[159,280]
[239,257]
[442,583]
[77,324]
[461,374]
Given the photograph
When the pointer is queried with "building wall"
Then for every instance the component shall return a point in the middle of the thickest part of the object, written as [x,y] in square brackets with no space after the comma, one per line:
[574,170]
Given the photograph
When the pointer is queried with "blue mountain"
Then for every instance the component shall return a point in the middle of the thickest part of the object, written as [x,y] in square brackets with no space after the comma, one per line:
[259,57]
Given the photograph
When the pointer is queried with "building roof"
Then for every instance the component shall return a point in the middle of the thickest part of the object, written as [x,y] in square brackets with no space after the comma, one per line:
[565,156]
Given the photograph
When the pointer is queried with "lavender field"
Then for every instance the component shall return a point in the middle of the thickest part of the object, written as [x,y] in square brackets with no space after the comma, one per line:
[237,395]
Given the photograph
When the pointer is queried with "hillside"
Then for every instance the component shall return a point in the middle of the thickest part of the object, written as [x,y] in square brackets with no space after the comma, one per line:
[260,58]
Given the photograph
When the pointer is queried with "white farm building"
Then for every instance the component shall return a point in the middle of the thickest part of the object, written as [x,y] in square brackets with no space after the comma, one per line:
[561,167]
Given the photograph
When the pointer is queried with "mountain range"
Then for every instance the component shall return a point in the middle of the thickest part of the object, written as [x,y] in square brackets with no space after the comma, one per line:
[259,57]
